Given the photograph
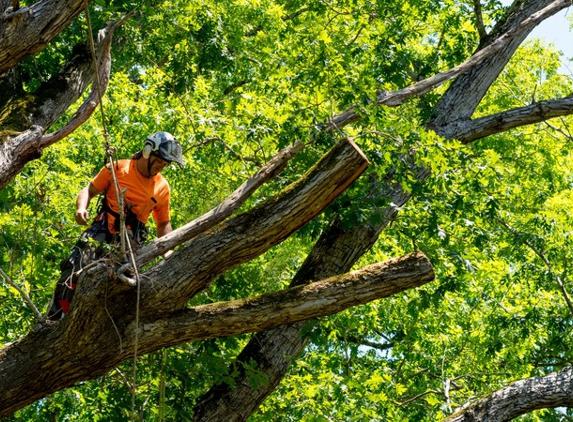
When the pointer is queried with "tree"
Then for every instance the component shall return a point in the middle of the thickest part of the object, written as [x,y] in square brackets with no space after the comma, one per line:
[92,341]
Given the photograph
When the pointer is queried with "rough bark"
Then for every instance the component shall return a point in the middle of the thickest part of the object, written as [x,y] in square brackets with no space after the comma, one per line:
[521,397]
[99,331]
[35,114]
[27,30]
[319,298]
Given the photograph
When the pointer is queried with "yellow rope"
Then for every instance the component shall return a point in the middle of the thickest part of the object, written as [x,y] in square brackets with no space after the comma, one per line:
[124,239]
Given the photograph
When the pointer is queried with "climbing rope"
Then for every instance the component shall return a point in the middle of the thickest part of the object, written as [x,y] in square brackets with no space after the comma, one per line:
[109,151]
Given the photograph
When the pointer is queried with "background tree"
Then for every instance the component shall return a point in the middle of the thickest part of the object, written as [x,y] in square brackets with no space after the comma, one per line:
[245,81]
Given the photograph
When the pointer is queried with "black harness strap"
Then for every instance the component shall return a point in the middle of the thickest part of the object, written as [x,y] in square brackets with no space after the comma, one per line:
[138,229]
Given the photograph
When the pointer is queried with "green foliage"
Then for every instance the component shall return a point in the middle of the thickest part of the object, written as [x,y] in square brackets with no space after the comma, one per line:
[235,81]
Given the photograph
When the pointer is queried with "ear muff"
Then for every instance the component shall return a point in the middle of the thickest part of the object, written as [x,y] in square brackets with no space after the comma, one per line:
[146,151]
[151,144]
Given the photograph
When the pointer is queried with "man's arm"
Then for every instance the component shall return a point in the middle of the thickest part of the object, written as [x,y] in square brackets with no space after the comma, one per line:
[82,202]
[164,228]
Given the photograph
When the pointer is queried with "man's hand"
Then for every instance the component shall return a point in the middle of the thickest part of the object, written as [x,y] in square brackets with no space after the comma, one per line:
[82,202]
[82,216]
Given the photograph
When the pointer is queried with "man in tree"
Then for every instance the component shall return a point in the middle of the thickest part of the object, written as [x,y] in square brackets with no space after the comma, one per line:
[145,191]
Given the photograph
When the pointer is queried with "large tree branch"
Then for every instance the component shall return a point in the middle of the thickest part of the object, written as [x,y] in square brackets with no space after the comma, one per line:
[467,91]
[300,303]
[27,30]
[51,100]
[83,76]
[75,355]
[218,214]
[521,397]
[274,350]
[468,131]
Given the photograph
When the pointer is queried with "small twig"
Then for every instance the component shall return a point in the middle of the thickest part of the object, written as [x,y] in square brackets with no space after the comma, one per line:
[419,396]
[562,131]
[37,313]
[124,379]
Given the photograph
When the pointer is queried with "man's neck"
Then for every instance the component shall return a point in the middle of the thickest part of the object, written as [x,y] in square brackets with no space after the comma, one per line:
[141,166]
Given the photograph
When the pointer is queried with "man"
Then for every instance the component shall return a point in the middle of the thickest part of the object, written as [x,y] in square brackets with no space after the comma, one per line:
[145,192]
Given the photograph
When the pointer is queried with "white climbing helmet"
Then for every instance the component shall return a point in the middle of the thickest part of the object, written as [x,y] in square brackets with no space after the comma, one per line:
[165,146]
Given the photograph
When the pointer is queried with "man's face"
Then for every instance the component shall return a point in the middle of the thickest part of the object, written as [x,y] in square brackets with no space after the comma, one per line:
[157,165]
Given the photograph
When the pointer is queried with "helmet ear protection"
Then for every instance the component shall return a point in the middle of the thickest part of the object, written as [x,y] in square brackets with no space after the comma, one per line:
[151,144]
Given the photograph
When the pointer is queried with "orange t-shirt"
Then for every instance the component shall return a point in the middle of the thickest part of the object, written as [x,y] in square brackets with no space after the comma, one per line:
[145,194]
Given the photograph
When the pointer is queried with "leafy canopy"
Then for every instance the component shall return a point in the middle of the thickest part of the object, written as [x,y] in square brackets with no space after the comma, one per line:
[235,81]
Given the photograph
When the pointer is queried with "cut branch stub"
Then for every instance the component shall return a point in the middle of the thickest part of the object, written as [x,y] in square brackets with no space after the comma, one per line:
[222,211]
[195,265]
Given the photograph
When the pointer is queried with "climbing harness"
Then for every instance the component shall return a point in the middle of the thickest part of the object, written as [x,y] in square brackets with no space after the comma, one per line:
[135,229]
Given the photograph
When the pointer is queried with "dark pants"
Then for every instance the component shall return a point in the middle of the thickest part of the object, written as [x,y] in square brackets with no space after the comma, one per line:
[89,248]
